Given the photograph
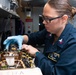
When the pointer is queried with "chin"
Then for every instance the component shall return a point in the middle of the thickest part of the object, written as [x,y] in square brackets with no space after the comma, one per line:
[48,31]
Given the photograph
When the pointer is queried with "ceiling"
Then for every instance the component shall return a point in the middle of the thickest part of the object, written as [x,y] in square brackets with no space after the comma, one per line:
[34,3]
[40,3]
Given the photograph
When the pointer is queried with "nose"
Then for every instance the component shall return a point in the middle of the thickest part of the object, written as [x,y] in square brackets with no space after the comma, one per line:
[44,22]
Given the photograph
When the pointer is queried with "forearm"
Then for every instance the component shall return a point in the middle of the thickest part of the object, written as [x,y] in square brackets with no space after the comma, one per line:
[44,64]
[25,38]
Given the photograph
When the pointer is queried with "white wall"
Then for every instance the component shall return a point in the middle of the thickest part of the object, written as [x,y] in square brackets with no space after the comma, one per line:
[74,21]
[35,12]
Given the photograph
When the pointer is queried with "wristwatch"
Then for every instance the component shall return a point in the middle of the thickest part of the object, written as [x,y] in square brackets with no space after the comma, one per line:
[37,53]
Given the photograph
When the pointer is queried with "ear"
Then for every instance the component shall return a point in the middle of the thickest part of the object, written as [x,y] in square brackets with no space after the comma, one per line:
[65,18]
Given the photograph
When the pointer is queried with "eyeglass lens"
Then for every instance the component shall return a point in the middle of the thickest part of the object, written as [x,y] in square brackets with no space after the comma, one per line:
[49,19]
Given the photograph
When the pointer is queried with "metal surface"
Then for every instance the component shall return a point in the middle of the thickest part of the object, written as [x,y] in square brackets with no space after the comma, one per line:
[40,3]
[34,3]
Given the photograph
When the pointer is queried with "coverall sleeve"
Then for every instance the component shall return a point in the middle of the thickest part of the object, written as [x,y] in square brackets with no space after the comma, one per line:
[37,37]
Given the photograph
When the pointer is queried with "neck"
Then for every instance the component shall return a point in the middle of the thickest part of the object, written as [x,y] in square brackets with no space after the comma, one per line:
[58,33]
[56,36]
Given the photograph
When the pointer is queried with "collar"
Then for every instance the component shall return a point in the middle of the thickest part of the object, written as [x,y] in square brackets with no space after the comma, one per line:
[64,36]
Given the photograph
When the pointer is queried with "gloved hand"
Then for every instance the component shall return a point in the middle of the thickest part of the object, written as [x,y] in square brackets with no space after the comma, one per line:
[13,39]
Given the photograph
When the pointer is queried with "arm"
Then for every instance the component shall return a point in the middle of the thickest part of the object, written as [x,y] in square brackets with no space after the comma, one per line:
[37,37]
[33,38]
[25,40]
[66,64]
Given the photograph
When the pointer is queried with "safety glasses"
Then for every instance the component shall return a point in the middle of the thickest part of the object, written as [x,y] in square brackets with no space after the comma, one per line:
[50,19]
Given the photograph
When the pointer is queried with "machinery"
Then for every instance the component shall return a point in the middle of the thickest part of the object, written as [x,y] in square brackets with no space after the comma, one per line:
[15,59]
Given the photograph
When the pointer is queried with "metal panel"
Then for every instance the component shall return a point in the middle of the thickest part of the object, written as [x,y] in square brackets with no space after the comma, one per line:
[34,3]
[5,3]
[40,3]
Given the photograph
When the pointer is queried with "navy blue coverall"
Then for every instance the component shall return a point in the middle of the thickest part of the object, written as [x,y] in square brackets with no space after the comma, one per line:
[58,58]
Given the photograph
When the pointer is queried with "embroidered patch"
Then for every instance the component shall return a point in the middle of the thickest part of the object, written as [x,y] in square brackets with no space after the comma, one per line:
[54,56]
[61,41]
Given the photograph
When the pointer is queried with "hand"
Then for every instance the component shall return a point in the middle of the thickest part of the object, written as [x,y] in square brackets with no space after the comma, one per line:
[14,39]
[30,49]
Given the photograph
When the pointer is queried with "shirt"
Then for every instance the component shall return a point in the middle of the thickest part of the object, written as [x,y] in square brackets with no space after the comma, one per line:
[58,58]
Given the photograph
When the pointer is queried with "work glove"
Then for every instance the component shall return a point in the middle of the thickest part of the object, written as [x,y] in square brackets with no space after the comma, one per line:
[13,39]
